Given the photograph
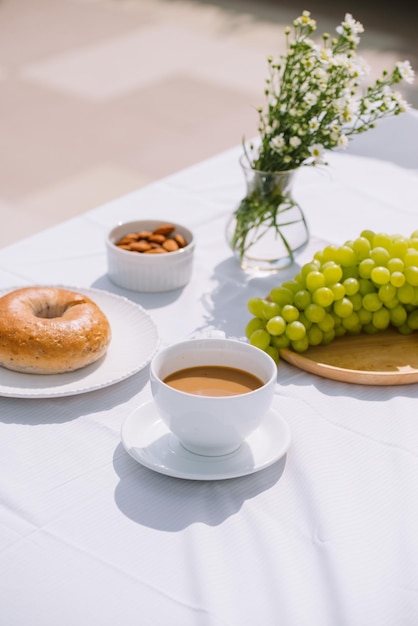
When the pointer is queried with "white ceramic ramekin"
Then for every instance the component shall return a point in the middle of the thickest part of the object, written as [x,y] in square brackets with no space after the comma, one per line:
[149,272]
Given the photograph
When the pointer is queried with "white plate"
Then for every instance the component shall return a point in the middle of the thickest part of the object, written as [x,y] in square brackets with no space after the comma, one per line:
[147,439]
[134,342]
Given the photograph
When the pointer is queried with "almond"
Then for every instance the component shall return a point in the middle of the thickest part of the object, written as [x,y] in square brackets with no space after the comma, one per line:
[180,240]
[144,234]
[140,246]
[164,229]
[158,250]
[127,239]
[157,238]
[170,245]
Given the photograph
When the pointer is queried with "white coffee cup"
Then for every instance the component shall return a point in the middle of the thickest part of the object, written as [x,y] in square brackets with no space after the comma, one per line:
[209,425]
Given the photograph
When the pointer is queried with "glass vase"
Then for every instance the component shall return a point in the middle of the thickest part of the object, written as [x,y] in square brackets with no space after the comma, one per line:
[268,228]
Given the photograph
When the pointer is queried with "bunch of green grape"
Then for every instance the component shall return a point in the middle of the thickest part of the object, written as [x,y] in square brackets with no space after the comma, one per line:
[365,285]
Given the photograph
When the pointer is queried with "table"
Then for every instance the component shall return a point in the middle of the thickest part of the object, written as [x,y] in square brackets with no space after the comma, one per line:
[326,536]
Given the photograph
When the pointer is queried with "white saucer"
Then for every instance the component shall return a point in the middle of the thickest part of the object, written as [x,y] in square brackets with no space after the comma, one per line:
[147,439]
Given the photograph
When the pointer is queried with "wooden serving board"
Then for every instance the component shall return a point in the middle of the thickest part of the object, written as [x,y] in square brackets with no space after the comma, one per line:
[386,358]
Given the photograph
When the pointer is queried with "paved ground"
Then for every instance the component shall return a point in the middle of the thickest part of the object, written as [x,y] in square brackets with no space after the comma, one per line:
[100,97]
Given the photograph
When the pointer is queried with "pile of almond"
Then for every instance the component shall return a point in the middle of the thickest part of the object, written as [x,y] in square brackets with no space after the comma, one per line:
[158,241]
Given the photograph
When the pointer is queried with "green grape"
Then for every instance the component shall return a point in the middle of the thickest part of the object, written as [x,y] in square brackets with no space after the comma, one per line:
[302,298]
[295,331]
[327,323]
[356,300]
[319,256]
[346,256]
[365,268]
[281,341]
[399,247]
[314,313]
[365,317]
[276,325]
[351,286]
[381,319]
[380,275]
[361,247]
[351,321]
[340,331]
[304,320]
[368,234]
[404,329]
[414,301]
[329,253]
[343,308]
[366,286]
[411,257]
[398,315]
[372,302]
[397,279]
[254,324]
[314,335]
[290,313]
[300,345]
[314,280]
[313,266]
[255,306]
[387,293]
[406,293]
[328,337]
[293,285]
[391,304]
[379,255]
[411,275]
[324,296]
[356,330]
[338,290]
[260,339]
[273,352]
[332,272]
[413,242]
[395,265]
[270,309]
[382,240]
[370,329]
[281,295]
[412,320]
[351,271]
[337,319]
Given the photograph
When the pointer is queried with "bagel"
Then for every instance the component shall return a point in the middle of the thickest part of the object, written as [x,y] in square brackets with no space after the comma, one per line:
[48,330]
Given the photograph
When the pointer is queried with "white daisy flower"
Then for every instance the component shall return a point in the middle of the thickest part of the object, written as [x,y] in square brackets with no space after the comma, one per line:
[310,98]
[313,124]
[317,151]
[406,71]
[295,142]
[277,143]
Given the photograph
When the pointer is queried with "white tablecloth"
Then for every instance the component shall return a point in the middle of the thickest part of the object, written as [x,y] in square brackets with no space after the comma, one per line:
[327,536]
